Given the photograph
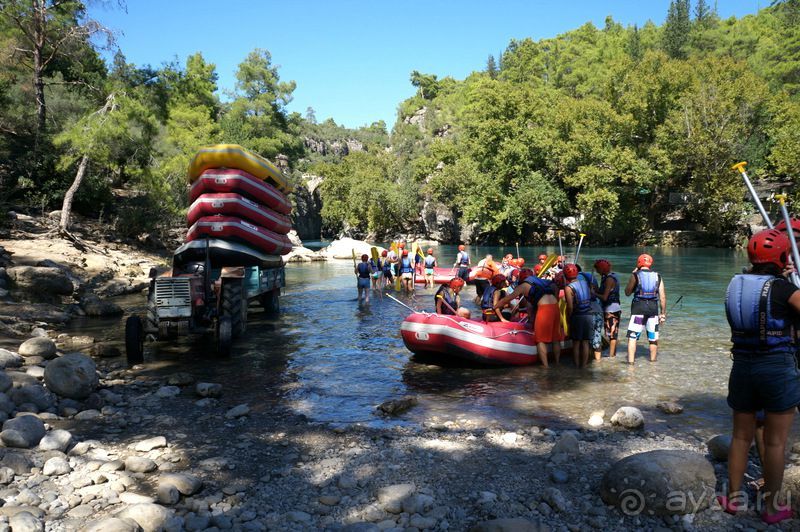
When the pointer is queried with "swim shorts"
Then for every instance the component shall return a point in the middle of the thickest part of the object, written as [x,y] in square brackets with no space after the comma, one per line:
[428,271]
[407,276]
[597,331]
[547,326]
[580,327]
[768,382]
[638,322]
[376,275]
[363,282]
[612,324]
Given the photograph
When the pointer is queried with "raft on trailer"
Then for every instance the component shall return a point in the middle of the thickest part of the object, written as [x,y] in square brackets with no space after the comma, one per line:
[235,156]
[499,343]
[231,180]
[240,207]
[237,230]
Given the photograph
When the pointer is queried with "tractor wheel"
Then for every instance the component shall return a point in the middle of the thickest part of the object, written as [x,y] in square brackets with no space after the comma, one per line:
[234,306]
[134,340]
[152,313]
[224,336]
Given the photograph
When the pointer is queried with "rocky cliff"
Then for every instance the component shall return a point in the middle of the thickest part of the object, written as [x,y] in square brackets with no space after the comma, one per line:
[306,216]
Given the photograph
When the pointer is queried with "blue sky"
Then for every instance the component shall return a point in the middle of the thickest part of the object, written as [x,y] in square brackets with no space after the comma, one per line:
[352,59]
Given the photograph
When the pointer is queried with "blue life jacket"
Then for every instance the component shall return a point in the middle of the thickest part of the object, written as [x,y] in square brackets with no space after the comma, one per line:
[406,266]
[363,270]
[430,260]
[647,285]
[591,282]
[373,266]
[539,288]
[748,307]
[387,266]
[487,300]
[583,296]
[463,259]
[448,298]
[613,295]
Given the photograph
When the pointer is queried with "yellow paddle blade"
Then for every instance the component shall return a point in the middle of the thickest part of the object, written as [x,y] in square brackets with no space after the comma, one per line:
[562,307]
[393,247]
[375,254]
[549,263]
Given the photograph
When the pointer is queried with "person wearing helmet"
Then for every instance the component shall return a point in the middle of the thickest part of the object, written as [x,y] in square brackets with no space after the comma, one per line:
[376,269]
[486,269]
[388,278]
[578,295]
[596,342]
[406,266]
[363,272]
[463,262]
[608,294]
[760,307]
[648,306]
[539,297]
[393,258]
[430,264]
[490,297]
[447,297]
[542,258]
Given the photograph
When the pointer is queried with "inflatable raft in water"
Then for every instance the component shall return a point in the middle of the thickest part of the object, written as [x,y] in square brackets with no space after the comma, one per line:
[240,207]
[231,180]
[235,156]
[488,343]
[237,230]
[440,276]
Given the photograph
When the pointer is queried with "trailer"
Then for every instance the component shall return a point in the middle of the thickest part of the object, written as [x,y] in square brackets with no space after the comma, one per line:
[197,299]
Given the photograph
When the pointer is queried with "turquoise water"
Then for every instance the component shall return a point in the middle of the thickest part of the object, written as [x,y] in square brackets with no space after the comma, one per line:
[334,360]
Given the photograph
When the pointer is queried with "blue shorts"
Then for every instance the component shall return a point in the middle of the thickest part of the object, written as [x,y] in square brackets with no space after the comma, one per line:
[363,282]
[764,382]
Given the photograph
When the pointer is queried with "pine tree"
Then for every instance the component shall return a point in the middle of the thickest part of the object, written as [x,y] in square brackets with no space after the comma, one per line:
[676,29]
[634,46]
[702,12]
[491,67]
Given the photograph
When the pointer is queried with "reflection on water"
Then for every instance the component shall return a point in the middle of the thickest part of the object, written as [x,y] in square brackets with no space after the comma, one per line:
[334,360]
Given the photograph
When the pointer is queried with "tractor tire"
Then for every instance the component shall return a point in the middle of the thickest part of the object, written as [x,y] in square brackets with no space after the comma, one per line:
[234,306]
[271,301]
[151,315]
[134,340]
[224,336]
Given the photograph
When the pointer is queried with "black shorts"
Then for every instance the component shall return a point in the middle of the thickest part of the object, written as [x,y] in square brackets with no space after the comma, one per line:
[768,382]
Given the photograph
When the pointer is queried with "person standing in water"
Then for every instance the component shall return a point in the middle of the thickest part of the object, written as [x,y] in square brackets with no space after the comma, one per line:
[490,297]
[463,263]
[388,278]
[648,306]
[578,295]
[376,268]
[430,264]
[761,307]
[406,266]
[363,272]
[608,294]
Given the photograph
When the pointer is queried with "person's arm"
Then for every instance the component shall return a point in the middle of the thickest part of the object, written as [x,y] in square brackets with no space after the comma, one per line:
[519,291]
[794,301]
[607,287]
[662,297]
[631,286]
[439,302]
[568,296]
[498,310]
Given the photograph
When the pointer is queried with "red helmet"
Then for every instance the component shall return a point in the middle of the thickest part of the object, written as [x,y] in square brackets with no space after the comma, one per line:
[498,279]
[520,262]
[602,266]
[570,272]
[513,274]
[405,252]
[384,253]
[364,257]
[524,273]
[456,282]
[560,280]
[769,246]
[781,226]
[644,261]
[542,257]
[537,269]
[461,247]
[430,251]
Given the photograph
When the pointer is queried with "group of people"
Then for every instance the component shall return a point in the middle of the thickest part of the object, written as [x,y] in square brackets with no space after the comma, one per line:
[391,265]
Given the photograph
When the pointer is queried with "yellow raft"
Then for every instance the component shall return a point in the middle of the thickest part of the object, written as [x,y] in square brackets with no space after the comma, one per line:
[234,156]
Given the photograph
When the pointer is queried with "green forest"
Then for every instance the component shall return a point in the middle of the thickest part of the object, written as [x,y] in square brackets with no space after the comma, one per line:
[614,131]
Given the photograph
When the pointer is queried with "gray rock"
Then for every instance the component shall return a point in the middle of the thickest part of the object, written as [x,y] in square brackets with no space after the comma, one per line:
[35,394]
[11,511]
[361,526]
[298,516]
[166,392]
[56,440]
[222,521]
[151,517]
[515,524]
[670,407]
[417,504]
[555,499]
[24,431]
[106,351]
[237,411]
[74,376]
[422,523]
[35,371]
[9,359]
[180,379]
[208,389]
[6,475]
[395,407]
[96,307]
[139,464]
[567,444]
[17,462]
[88,415]
[664,482]
[150,444]
[112,524]
[6,404]
[167,494]
[130,497]
[41,281]
[197,522]
[38,347]
[559,476]
[329,500]
[56,466]
[390,498]
[185,483]
[25,522]
[719,446]
[629,417]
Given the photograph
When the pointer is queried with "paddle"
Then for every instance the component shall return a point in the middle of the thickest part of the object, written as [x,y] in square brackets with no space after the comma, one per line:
[548,263]
[354,258]
[740,167]
[517,249]
[578,251]
[446,304]
[795,255]
[560,247]
[390,296]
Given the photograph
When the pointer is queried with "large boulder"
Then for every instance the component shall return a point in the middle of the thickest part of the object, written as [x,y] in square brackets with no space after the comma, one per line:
[629,417]
[24,431]
[151,517]
[719,446]
[41,283]
[662,482]
[344,247]
[33,394]
[440,223]
[74,376]
[41,346]
[9,359]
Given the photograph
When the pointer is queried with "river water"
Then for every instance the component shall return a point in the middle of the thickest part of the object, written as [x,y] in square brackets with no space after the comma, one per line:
[334,360]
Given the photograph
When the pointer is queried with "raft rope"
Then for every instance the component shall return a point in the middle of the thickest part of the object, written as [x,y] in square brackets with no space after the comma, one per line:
[512,332]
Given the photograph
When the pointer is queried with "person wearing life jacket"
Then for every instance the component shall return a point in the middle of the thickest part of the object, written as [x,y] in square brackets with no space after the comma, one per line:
[542,258]
[447,297]
[363,272]
[578,295]
[596,342]
[393,257]
[760,307]
[485,270]
[608,294]
[388,278]
[463,262]
[430,264]
[539,296]
[506,265]
[492,294]
[376,271]
[406,266]
[648,305]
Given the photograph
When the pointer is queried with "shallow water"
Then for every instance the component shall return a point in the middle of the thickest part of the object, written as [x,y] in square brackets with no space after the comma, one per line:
[334,360]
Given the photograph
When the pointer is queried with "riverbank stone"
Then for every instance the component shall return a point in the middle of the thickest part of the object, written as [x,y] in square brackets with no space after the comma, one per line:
[661,482]
[208,389]
[151,517]
[629,417]
[41,281]
[149,444]
[509,524]
[9,359]
[670,407]
[40,346]
[56,440]
[395,407]
[24,432]
[185,483]
[719,446]
[73,375]
[25,522]
[96,307]
[112,524]
[391,497]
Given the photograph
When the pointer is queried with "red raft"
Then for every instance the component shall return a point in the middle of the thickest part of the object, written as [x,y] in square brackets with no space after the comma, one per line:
[240,207]
[236,229]
[230,180]
[440,276]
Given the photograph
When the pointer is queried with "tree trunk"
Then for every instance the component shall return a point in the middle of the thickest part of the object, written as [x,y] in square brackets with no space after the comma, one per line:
[38,76]
[66,208]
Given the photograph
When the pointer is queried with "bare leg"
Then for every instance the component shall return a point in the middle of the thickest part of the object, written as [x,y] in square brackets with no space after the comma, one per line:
[541,348]
[585,353]
[557,352]
[653,351]
[744,427]
[631,350]
[612,347]
[576,352]
[776,432]
[598,355]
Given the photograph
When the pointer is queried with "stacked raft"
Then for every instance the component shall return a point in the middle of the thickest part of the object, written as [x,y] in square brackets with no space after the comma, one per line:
[239,211]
